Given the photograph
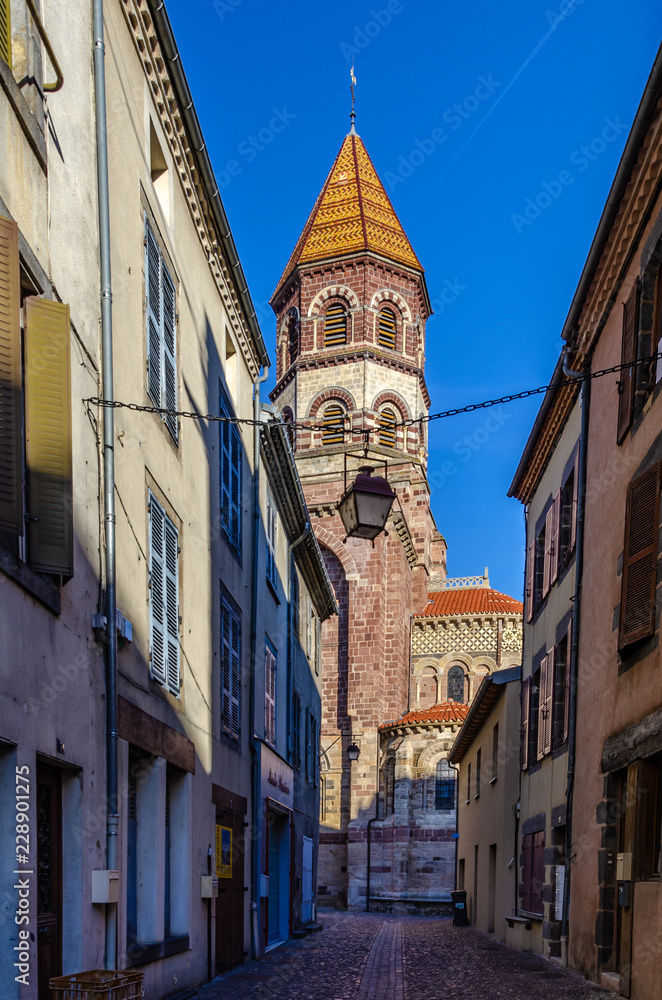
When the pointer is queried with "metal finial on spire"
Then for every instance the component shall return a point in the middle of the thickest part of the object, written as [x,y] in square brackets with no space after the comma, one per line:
[352,115]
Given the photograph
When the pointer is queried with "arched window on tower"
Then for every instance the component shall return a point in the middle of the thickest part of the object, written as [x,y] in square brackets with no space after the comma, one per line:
[386,328]
[288,419]
[444,795]
[387,420]
[456,684]
[333,424]
[293,334]
[335,325]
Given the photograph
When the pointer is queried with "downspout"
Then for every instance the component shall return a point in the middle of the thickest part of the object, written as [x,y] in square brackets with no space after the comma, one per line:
[255,776]
[112,735]
[585,399]
[456,768]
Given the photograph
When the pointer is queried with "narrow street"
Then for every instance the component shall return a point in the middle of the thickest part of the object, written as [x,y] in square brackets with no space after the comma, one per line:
[373,957]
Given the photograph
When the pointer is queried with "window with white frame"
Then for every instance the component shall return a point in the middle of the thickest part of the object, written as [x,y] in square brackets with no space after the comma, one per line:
[230,671]
[269,695]
[230,476]
[272,526]
[161,331]
[163,597]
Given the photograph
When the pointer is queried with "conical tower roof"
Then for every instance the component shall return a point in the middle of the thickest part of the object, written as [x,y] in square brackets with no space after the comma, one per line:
[353,214]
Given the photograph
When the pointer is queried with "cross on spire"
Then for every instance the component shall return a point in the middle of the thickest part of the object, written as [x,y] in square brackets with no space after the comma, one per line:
[352,115]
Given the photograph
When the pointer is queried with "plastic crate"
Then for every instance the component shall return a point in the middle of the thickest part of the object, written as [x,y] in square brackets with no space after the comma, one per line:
[98,984]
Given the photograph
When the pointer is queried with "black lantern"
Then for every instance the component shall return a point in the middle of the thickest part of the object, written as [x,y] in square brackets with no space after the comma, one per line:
[365,505]
[353,751]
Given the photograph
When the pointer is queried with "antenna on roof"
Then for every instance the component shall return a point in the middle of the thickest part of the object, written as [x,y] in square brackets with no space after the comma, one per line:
[352,115]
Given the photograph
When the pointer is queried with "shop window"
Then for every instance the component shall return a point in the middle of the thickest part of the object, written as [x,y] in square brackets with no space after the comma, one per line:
[335,325]
[444,797]
[533,872]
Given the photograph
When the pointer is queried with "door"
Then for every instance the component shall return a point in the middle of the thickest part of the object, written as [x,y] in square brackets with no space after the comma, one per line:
[273,905]
[231,895]
[49,878]
[307,882]
[491,888]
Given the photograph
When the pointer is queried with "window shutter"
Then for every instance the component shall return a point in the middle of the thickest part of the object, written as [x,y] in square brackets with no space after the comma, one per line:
[48,436]
[538,872]
[387,430]
[555,527]
[270,697]
[226,477]
[527,871]
[169,350]
[566,688]
[157,583]
[386,328]
[542,694]
[640,557]
[335,325]
[235,720]
[530,571]
[575,496]
[524,727]
[11,393]
[172,604]
[333,424]
[628,354]
[154,313]
[545,705]
[5,31]
[226,670]
[547,563]
[235,487]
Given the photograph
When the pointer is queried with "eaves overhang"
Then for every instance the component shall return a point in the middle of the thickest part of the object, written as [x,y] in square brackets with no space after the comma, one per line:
[486,697]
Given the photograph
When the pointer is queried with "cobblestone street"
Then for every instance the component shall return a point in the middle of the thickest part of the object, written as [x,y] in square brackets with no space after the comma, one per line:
[372,957]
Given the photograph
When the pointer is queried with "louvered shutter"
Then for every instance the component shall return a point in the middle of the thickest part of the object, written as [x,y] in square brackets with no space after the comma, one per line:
[547,561]
[154,316]
[5,31]
[335,325]
[235,655]
[566,688]
[575,497]
[640,557]
[157,591]
[530,571]
[11,392]
[386,328]
[333,424]
[169,349]
[48,436]
[225,476]
[628,355]
[542,681]
[235,487]
[270,697]
[555,528]
[524,726]
[226,670]
[546,705]
[172,604]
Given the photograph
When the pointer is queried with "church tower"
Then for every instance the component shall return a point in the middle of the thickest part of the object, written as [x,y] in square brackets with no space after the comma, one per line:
[351,309]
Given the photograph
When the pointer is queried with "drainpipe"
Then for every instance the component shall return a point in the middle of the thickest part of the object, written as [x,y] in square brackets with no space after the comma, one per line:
[255,773]
[112,735]
[585,399]
[456,768]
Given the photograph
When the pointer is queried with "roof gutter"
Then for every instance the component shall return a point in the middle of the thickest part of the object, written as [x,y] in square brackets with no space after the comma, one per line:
[192,125]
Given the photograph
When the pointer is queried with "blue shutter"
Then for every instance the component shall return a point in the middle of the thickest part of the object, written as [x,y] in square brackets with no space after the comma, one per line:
[270,697]
[225,462]
[172,604]
[154,313]
[226,670]
[235,488]
[236,678]
[169,358]
[157,614]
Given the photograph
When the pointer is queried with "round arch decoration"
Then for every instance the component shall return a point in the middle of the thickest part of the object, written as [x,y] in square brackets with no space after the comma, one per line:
[329,541]
[286,322]
[430,757]
[386,295]
[333,392]
[395,399]
[425,662]
[331,292]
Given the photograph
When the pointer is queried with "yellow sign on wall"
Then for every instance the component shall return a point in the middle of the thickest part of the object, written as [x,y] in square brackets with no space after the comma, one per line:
[223,851]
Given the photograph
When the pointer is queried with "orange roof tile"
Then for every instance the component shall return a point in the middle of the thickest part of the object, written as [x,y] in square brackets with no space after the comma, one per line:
[352,214]
[470,601]
[446,711]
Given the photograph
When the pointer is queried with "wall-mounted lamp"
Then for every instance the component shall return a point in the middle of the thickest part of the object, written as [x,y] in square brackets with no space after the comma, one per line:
[353,751]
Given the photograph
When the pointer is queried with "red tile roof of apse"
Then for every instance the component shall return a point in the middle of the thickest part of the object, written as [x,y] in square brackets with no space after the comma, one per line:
[445,711]
[470,601]
[353,214]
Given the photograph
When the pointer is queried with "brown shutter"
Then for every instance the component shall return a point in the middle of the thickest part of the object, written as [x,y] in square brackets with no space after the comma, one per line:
[544,707]
[566,686]
[11,403]
[555,527]
[5,31]
[524,727]
[547,562]
[575,498]
[628,355]
[530,569]
[640,557]
[48,436]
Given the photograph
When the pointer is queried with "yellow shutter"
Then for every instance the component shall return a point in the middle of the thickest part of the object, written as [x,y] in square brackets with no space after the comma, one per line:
[48,436]
[11,448]
[5,31]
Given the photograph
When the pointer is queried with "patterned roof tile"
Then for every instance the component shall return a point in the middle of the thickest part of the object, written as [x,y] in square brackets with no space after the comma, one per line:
[446,711]
[470,601]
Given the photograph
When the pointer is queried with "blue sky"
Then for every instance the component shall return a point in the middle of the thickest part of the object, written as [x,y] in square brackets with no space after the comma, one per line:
[468,126]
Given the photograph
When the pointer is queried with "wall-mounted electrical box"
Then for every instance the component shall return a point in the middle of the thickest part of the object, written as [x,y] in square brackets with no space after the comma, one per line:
[624,867]
[264,886]
[105,886]
[208,886]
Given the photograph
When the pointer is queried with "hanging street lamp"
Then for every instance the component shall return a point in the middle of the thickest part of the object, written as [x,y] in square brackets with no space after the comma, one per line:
[365,505]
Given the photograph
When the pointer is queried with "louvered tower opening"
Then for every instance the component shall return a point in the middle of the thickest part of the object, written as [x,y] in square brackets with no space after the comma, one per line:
[333,424]
[335,325]
[387,428]
[386,329]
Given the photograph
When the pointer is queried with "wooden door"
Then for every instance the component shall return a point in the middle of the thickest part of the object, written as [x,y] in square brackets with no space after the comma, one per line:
[49,878]
[231,901]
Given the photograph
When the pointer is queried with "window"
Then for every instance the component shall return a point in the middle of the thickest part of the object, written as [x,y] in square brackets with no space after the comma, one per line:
[312,748]
[455,685]
[159,171]
[386,328]
[539,569]
[533,872]
[479,755]
[5,32]
[270,695]
[551,552]
[568,527]
[561,715]
[387,432]
[333,424]
[642,515]
[545,705]
[293,334]
[294,601]
[272,525]
[468,784]
[230,671]
[628,355]
[163,597]
[36,521]
[335,325]
[296,729]
[534,716]
[495,753]
[230,475]
[444,796]
[161,331]
[389,787]
[524,724]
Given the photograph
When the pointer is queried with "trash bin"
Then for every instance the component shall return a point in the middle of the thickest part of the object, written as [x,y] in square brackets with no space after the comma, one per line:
[460,918]
[98,984]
